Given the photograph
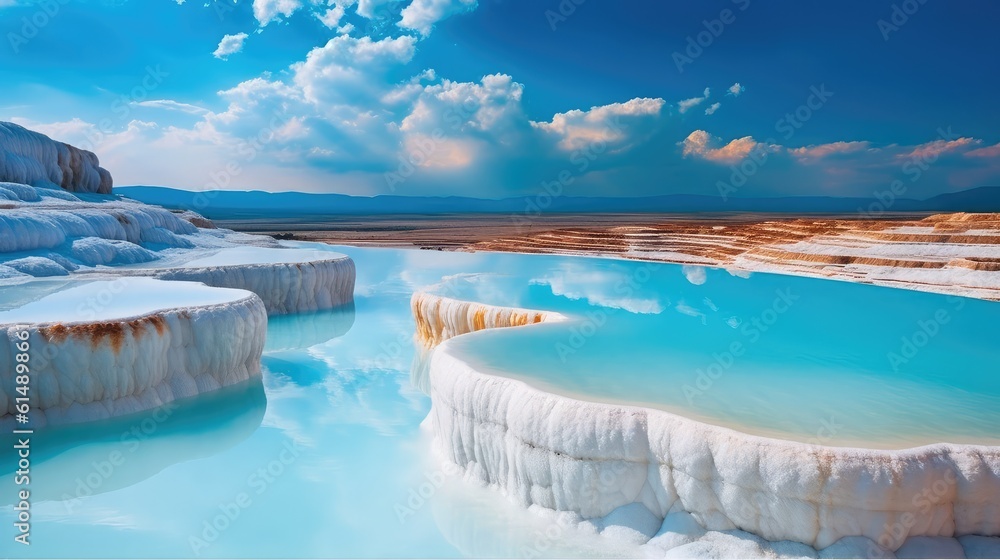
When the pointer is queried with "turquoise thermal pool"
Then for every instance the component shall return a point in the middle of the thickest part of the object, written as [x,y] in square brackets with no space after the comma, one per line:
[815,361]
[328,448]
[68,301]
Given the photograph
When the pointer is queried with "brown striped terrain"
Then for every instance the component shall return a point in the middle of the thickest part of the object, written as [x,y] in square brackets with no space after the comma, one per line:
[948,253]
[951,253]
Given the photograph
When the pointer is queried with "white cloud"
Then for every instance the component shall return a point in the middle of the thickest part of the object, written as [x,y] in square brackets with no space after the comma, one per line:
[493,104]
[735,90]
[349,70]
[933,150]
[813,153]
[617,124]
[331,17]
[701,144]
[230,44]
[451,124]
[421,15]
[713,108]
[75,131]
[171,105]
[685,105]
[367,8]
[267,11]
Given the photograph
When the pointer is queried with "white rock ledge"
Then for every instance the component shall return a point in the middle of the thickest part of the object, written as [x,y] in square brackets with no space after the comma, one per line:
[283,287]
[304,281]
[593,459]
[113,366]
[439,318]
[34,158]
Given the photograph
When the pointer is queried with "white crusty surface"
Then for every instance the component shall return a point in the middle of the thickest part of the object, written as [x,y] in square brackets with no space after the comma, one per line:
[46,232]
[592,459]
[58,218]
[90,370]
[33,158]
[294,287]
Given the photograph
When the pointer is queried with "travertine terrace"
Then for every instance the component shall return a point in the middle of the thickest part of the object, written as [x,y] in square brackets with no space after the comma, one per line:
[949,253]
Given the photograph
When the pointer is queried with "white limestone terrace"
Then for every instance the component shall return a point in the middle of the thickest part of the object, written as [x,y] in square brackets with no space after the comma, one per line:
[289,280]
[47,232]
[130,322]
[32,158]
[106,347]
[684,488]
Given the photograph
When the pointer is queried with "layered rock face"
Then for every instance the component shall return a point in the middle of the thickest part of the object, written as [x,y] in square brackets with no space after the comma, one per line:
[47,233]
[440,318]
[693,488]
[299,286]
[118,360]
[32,158]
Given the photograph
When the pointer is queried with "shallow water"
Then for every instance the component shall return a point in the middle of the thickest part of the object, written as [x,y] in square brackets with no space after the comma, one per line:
[43,301]
[327,450]
[325,456]
[824,362]
[254,255]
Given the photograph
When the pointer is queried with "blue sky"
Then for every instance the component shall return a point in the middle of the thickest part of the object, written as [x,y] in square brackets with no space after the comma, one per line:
[504,98]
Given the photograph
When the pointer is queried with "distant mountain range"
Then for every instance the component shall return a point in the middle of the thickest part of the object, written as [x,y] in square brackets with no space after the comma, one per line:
[260,204]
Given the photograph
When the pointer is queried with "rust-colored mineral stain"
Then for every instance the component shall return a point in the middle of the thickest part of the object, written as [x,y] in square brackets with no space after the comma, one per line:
[56,333]
[158,323]
[479,319]
[114,331]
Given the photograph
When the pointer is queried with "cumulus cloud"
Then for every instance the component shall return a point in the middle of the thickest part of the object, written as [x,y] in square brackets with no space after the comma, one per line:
[415,15]
[350,70]
[230,44]
[421,15]
[354,111]
[331,17]
[267,11]
[493,104]
[685,105]
[616,124]
[451,124]
[701,144]
[368,8]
